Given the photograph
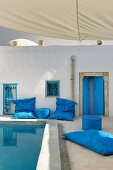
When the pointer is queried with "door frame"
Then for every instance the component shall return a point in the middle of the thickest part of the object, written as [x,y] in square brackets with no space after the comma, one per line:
[105,76]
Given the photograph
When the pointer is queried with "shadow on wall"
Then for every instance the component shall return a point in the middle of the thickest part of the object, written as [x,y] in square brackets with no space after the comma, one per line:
[41,84]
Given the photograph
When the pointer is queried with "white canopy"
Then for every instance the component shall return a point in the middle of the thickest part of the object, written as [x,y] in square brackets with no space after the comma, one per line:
[66,19]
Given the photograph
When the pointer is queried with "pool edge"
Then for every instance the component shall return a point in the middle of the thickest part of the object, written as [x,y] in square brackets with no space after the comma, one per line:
[49,158]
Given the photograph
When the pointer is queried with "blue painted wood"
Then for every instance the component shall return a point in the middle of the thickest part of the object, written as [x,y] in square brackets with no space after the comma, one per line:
[85,96]
[8,96]
[98,95]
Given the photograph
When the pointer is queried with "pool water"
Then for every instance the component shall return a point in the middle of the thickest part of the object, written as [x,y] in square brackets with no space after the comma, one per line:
[20,146]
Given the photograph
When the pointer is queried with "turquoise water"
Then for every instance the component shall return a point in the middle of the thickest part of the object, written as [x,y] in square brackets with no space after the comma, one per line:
[20,146]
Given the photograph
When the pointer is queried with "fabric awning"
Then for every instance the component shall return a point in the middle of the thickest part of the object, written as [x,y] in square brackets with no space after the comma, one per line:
[66,19]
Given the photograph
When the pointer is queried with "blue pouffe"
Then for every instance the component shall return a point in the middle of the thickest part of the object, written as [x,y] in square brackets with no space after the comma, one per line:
[42,113]
[91,122]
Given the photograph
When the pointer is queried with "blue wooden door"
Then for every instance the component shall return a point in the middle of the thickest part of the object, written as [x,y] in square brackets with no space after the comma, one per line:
[98,95]
[85,100]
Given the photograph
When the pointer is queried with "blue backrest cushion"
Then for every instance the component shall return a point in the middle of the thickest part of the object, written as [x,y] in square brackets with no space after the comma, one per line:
[25,105]
[65,105]
[42,113]
[23,115]
[65,110]
[97,141]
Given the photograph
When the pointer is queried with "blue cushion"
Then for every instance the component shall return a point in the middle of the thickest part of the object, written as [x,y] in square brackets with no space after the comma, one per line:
[25,105]
[65,105]
[23,115]
[59,115]
[42,113]
[97,141]
[65,110]
[91,122]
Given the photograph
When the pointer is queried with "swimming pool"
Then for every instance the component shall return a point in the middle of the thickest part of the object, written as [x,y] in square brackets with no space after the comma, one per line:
[49,156]
[20,146]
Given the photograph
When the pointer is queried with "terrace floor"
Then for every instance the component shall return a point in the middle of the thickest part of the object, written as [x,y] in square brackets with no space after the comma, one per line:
[81,158]
[76,157]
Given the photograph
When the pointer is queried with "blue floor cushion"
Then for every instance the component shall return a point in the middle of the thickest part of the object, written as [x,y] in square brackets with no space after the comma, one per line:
[97,141]
[42,113]
[23,115]
[65,109]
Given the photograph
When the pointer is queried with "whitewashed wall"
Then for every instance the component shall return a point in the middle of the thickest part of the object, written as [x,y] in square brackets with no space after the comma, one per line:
[31,66]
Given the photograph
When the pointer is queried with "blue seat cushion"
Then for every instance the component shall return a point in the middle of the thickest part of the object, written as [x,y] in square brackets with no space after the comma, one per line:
[25,105]
[65,109]
[23,115]
[59,115]
[42,113]
[97,141]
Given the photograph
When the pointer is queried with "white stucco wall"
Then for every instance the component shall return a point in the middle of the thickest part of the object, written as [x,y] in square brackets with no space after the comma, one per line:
[31,66]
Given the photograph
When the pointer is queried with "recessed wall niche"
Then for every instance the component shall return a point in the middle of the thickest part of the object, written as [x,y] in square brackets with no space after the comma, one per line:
[52,88]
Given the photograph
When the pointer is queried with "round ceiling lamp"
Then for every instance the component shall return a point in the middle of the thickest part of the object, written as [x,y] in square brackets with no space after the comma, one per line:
[99,42]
